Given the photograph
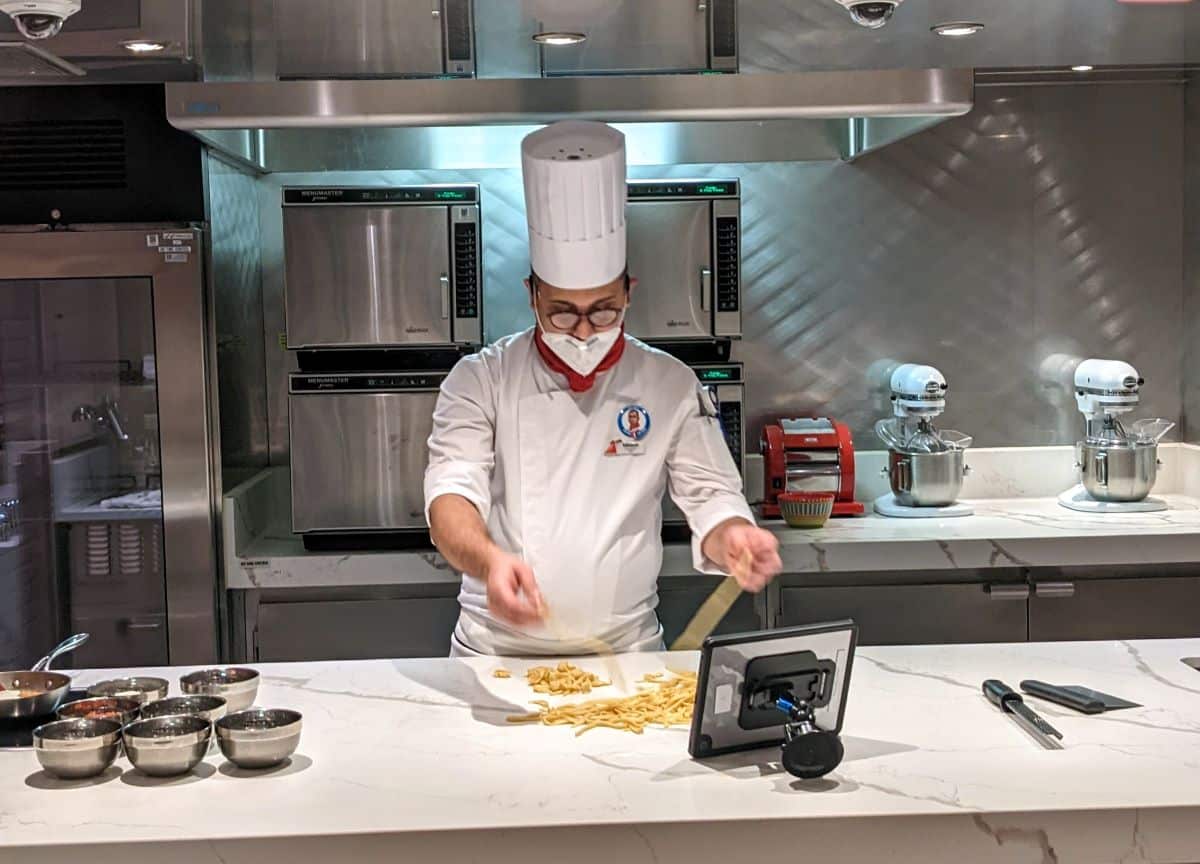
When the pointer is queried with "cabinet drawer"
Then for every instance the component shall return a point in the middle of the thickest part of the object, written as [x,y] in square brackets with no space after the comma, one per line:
[356,629]
[1134,608]
[119,640]
[678,603]
[913,614]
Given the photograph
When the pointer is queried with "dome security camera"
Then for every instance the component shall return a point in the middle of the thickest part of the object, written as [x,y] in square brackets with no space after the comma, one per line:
[871,13]
[39,19]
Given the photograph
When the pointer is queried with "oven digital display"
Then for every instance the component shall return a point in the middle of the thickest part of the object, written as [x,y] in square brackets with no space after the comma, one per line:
[718,374]
[450,195]
[643,189]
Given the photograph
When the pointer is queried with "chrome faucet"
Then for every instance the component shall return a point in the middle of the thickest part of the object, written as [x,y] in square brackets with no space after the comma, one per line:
[106,414]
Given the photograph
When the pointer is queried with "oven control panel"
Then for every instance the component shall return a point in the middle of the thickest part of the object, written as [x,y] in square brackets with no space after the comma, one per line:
[728,296]
[724,381]
[365,382]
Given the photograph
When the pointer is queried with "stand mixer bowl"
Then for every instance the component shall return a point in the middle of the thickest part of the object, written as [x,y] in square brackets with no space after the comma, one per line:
[926,479]
[1123,472]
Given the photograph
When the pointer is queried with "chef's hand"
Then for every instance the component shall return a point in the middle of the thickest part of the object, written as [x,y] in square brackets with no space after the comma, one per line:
[512,592]
[744,551]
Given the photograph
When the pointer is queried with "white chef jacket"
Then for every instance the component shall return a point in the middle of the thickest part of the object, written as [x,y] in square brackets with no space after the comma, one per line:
[538,462]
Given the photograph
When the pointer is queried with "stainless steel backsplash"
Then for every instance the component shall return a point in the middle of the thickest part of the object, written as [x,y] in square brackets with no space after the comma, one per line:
[1044,227]
[235,278]
[1190,425]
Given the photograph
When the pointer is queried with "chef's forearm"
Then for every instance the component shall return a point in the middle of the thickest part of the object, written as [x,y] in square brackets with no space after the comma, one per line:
[460,534]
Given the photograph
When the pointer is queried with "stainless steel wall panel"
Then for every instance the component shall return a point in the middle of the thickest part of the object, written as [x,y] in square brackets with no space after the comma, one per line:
[236,287]
[1190,430]
[791,35]
[1043,225]
[1109,229]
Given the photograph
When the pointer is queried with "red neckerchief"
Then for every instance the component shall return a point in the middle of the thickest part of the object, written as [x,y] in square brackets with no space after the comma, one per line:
[578,383]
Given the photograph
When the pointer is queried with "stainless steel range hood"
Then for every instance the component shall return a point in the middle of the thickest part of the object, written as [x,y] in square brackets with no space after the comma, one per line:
[670,119]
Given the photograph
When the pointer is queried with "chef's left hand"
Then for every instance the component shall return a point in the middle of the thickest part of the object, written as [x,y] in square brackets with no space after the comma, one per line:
[744,551]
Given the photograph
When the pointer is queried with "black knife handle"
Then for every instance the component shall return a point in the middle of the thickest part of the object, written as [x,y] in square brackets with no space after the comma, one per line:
[1063,696]
[1000,694]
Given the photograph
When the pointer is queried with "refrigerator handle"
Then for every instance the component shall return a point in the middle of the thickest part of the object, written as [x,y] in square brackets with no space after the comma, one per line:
[705,288]
[445,289]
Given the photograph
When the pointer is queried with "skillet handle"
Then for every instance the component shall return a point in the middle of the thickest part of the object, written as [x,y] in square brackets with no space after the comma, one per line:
[68,644]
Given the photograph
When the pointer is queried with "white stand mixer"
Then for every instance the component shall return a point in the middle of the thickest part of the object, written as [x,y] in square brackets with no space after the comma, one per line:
[1117,466]
[925,466]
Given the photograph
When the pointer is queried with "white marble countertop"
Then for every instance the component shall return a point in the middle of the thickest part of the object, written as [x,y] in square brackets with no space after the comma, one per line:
[414,759]
[1017,522]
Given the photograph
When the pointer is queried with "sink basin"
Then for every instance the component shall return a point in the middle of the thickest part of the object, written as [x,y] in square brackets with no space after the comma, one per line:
[1194,662]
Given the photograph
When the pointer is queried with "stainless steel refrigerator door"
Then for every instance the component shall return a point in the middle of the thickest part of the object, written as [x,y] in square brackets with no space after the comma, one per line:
[669,252]
[169,415]
[358,460]
[624,35]
[358,38]
[362,276]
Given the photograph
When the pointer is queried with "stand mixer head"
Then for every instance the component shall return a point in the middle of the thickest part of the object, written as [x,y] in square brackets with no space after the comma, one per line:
[918,396]
[1104,390]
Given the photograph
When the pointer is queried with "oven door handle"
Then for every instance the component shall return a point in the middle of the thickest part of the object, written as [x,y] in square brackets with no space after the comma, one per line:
[705,288]
[445,289]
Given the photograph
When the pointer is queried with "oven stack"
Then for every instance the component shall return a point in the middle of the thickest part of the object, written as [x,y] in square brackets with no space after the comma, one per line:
[684,247]
[384,293]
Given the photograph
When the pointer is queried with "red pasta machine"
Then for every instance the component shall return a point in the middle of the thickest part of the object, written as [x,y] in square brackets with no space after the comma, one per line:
[809,454]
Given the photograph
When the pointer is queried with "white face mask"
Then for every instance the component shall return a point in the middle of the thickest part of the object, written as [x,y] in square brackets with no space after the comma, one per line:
[582,355]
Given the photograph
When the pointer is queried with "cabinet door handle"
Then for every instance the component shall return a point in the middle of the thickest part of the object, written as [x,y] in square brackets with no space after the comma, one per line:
[142,625]
[1054,589]
[1008,592]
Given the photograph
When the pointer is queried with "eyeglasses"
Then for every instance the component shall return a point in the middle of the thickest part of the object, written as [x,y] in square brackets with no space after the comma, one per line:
[601,319]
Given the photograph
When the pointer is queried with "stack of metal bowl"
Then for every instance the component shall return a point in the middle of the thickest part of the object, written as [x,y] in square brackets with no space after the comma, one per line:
[165,737]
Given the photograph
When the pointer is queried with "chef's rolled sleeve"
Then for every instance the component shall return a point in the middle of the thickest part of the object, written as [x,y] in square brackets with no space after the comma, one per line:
[462,444]
[702,477]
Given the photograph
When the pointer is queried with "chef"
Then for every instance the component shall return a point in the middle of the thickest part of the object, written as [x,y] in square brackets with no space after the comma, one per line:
[551,448]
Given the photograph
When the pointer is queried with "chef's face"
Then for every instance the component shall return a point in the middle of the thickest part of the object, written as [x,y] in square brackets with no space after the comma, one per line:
[580,313]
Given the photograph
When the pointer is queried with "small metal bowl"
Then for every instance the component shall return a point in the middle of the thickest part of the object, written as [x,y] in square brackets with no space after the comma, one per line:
[166,746]
[259,738]
[143,689]
[236,685]
[77,748]
[210,708]
[119,708]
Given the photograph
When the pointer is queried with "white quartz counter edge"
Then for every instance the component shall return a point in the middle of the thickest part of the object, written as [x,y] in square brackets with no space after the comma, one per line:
[403,756]
[1002,533]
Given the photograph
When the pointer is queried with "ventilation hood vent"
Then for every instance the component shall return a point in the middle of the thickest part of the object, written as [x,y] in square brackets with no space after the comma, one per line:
[21,60]
[669,119]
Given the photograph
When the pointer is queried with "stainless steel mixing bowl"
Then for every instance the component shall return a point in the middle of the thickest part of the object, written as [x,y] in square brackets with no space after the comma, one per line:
[143,688]
[259,738]
[926,479]
[235,684]
[210,708]
[119,708]
[1117,472]
[166,746]
[77,748]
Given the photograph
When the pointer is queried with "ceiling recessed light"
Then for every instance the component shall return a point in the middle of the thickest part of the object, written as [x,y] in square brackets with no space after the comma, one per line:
[559,38]
[1082,67]
[143,46]
[957,28]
